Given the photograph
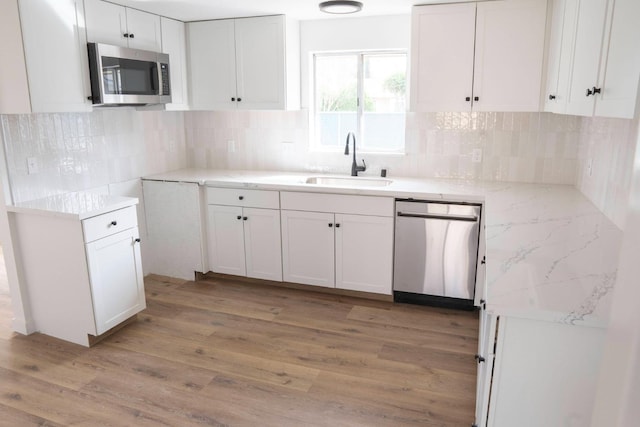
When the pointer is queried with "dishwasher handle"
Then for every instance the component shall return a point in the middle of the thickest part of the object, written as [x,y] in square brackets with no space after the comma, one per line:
[469,218]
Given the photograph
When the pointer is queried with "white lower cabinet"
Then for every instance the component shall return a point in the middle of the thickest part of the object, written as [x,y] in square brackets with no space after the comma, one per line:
[117,286]
[308,248]
[244,240]
[342,247]
[82,277]
[542,373]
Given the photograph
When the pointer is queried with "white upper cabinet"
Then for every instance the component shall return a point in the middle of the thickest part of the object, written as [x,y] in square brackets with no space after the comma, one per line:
[586,56]
[620,72]
[509,55]
[174,44]
[442,57]
[14,89]
[594,62]
[212,64]
[122,26]
[504,73]
[55,52]
[247,63]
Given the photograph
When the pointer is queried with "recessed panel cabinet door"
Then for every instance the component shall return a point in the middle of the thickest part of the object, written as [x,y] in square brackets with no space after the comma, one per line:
[106,23]
[260,61]
[364,253]
[115,272]
[212,64]
[144,30]
[226,240]
[263,251]
[586,56]
[308,248]
[55,48]
[442,46]
[509,55]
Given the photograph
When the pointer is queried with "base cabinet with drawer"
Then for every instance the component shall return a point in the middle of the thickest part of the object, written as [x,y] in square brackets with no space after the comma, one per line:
[339,241]
[83,276]
[243,229]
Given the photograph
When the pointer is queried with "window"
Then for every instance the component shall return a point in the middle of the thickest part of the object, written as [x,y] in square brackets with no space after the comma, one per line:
[364,93]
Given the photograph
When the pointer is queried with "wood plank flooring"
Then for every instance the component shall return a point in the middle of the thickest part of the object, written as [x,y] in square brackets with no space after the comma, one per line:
[223,352]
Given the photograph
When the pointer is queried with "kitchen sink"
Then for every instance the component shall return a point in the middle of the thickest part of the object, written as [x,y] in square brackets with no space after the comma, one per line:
[348,181]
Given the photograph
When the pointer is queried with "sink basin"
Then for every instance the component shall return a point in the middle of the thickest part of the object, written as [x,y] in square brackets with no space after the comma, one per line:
[348,181]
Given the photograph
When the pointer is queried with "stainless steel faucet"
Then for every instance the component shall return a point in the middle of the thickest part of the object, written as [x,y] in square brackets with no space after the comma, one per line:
[354,165]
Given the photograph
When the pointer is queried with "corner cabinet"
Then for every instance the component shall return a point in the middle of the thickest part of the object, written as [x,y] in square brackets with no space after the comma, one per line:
[338,241]
[594,59]
[245,63]
[547,379]
[83,276]
[243,229]
[491,58]
[122,26]
[55,50]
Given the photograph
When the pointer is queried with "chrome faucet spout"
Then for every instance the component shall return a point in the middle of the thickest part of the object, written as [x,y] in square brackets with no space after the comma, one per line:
[354,164]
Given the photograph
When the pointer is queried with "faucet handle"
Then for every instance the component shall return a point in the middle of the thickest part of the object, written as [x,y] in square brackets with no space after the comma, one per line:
[364,166]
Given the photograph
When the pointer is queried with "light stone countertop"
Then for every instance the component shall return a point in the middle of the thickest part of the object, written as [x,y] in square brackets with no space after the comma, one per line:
[77,205]
[550,253]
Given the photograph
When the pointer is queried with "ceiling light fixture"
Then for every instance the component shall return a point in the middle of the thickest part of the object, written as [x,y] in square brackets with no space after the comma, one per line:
[340,7]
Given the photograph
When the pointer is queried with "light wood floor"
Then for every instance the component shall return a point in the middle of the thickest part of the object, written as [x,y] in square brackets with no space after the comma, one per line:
[221,352]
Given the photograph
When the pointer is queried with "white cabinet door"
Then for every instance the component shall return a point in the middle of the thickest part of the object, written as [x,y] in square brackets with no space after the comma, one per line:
[364,253]
[56,55]
[14,90]
[226,240]
[509,55]
[175,228]
[260,61]
[548,378]
[619,78]
[308,248]
[586,56]
[144,30]
[485,356]
[106,23]
[212,64]
[563,32]
[174,44]
[263,250]
[115,272]
[442,47]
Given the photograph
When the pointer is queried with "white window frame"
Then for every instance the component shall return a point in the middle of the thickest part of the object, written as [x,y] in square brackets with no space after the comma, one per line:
[315,144]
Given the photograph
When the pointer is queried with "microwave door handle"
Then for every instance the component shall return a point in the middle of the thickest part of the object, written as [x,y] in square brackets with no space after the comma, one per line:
[156,78]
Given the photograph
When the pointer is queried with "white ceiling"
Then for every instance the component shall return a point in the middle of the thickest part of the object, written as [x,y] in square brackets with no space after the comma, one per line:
[195,10]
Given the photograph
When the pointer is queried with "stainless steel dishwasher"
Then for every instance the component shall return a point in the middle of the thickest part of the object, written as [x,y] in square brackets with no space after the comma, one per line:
[436,253]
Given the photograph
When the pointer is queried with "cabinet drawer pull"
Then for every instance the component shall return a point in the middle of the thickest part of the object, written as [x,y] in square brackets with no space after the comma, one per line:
[239,99]
[479,358]
[238,217]
[476,98]
[596,90]
[468,99]
[131,35]
[137,240]
[113,223]
[126,35]
[330,225]
[244,218]
[240,197]
[552,97]
[589,92]
[233,100]
[337,225]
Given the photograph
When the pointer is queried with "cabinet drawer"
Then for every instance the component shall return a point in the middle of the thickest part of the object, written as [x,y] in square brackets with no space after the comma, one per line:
[110,223]
[246,198]
[337,203]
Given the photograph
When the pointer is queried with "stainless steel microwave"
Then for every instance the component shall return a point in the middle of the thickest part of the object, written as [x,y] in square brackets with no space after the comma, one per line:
[123,76]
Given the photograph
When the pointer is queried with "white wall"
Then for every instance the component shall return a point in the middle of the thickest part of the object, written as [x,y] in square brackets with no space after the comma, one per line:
[367,33]
[618,392]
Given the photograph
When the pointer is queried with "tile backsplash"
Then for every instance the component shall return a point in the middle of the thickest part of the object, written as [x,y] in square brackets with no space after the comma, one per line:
[522,147]
[80,151]
[606,155]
